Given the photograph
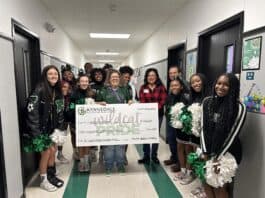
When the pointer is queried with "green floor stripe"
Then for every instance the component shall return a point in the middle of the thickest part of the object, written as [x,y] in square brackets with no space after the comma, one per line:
[161,181]
[77,184]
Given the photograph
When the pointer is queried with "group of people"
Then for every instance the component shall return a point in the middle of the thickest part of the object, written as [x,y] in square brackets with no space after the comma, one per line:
[51,111]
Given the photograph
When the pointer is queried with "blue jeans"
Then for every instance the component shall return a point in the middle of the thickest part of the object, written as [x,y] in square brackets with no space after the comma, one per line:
[172,142]
[114,153]
[146,147]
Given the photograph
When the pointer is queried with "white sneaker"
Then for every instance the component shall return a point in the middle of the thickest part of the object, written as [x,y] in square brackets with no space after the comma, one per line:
[187,179]
[179,176]
[62,159]
[82,167]
[46,185]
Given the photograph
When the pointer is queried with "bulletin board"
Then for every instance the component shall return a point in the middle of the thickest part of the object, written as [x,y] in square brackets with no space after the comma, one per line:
[191,63]
[252,79]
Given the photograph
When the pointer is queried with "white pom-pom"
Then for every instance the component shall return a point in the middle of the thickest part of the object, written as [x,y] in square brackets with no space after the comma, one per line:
[59,137]
[175,112]
[90,101]
[227,167]
[196,111]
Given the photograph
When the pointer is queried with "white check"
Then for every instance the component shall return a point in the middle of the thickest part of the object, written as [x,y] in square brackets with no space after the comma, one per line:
[117,124]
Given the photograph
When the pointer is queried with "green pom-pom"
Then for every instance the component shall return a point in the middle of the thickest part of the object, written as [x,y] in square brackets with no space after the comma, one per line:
[37,144]
[197,165]
[186,119]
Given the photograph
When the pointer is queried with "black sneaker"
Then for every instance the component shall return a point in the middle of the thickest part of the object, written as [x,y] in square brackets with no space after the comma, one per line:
[144,160]
[155,160]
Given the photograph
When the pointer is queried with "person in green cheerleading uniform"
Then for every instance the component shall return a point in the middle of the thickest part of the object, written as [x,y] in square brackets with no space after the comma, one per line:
[114,94]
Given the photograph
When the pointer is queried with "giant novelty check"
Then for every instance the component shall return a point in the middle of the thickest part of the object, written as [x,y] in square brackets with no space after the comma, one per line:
[117,124]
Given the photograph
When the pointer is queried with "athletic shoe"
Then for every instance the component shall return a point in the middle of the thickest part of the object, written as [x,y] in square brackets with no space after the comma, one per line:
[82,167]
[62,159]
[46,185]
[178,176]
[187,179]
[108,172]
[122,170]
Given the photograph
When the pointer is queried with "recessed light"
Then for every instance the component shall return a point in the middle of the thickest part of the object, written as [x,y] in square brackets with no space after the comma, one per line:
[107,35]
[106,61]
[108,53]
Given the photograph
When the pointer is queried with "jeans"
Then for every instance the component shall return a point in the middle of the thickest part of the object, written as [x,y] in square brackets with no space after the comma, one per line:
[146,147]
[112,154]
[172,142]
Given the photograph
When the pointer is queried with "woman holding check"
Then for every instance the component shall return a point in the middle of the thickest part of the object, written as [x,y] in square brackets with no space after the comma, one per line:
[114,94]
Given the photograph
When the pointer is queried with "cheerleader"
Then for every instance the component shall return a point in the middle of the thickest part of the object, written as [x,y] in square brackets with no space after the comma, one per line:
[178,96]
[44,115]
[223,117]
[65,87]
[198,92]
[79,96]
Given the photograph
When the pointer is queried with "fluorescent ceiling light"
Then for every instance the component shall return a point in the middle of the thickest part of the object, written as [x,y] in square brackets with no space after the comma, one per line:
[106,35]
[108,53]
[106,61]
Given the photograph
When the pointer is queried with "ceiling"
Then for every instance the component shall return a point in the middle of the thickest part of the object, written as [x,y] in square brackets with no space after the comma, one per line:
[140,18]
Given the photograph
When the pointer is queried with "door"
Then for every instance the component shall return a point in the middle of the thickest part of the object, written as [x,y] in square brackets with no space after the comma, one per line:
[27,74]
[220,49]
[176,57]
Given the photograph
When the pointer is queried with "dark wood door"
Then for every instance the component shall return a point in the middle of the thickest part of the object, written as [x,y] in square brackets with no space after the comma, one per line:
[220,49]
[23,49]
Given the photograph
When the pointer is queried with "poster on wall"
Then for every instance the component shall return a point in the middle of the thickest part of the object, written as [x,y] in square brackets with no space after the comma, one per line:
[191,63]
[252,81]
[251,53]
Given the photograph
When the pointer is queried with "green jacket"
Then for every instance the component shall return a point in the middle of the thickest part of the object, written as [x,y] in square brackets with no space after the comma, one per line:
[121,95]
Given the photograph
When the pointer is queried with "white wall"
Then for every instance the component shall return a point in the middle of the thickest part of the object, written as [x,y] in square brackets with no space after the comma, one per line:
[194,17]
[33,15]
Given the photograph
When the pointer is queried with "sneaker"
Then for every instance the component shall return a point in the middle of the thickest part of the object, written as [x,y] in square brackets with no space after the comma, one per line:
[179,176]
[169,162]
[55,181]
[121,170]
[144,160]
[196,191]
[46,185]
[87,167]
[187,179]
[155,160]
[62,159]
[108,172]
[82,167]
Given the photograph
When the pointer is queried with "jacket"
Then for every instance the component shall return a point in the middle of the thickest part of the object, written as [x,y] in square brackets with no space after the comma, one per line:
[122,95]
[43,116]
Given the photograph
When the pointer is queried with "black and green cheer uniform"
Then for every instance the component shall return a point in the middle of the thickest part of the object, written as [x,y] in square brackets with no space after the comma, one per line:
[114,96]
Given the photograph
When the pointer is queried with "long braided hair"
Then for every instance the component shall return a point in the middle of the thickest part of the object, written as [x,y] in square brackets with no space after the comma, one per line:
[219,114]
